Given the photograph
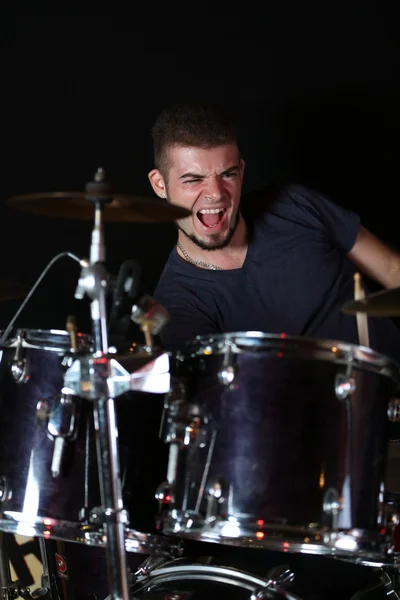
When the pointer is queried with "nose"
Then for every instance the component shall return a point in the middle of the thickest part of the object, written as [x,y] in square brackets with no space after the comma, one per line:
[214,188]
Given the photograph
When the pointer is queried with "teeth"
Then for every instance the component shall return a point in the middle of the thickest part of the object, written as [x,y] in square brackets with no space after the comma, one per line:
[211,211]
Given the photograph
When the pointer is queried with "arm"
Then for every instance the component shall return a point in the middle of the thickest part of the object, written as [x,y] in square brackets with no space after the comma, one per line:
[370,255]
[375,259]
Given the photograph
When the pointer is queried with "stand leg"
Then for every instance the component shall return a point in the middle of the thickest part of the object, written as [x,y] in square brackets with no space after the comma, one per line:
[99,325]
[111,496]
[5,571]
[390,586]
[45,565]
[93,283]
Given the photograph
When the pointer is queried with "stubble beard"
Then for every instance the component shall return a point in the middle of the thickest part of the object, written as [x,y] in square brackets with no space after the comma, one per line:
[214,242]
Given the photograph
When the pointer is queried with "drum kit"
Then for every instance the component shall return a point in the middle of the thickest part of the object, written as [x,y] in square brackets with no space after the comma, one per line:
[147,474]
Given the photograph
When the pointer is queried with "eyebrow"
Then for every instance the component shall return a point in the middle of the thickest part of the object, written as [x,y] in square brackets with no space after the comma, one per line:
[199,176]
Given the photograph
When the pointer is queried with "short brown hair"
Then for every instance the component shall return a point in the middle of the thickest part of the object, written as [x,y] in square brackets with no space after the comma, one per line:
[198,125]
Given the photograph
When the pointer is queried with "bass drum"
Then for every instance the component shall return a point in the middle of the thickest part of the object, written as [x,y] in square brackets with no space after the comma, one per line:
[79,572]
[74,571]
[268,576]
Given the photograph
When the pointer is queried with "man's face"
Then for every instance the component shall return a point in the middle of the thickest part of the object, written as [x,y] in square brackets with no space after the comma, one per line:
[208,182]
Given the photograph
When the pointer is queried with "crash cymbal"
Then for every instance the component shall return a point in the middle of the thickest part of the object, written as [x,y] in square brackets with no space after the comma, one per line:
[379,304]
[77,205]
[10,290]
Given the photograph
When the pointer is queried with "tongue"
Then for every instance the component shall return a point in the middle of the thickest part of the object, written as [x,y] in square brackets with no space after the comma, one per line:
[210,219]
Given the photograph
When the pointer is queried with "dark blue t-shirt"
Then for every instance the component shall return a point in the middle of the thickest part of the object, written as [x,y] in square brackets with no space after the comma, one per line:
[294,280]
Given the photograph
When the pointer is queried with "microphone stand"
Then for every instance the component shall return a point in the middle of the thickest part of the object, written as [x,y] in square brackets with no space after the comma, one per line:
[93,283]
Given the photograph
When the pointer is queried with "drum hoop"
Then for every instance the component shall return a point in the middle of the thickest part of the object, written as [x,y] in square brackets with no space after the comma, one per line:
[51,340]
[193,571]
[75,531]
[256,342]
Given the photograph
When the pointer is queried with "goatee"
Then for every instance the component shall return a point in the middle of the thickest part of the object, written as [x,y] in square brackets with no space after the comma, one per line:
[215,243]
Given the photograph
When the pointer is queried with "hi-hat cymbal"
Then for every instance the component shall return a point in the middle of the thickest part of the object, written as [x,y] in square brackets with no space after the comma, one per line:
[380,304]
[10,290]
[77,205]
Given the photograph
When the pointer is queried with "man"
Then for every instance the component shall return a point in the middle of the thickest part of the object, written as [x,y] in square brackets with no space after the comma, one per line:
[281,260]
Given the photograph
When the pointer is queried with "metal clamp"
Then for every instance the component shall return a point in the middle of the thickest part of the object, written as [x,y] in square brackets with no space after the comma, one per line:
[62,425]
[100,516]
[20,364]
[228,373]
[217,496]
[393,410]
[279,578]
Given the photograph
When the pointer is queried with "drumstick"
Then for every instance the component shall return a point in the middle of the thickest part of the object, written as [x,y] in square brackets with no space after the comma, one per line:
[362,318]
[147,333]
[73,331]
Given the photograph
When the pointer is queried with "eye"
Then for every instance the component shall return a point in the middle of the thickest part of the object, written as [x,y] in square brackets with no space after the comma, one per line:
[192,180]
[231,174]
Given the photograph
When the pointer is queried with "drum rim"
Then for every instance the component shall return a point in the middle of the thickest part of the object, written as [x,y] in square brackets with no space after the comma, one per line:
[52,340]
[334,349]
[51,528]
[176,571]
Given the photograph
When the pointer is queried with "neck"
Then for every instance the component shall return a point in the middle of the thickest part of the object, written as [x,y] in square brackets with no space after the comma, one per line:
[230,257]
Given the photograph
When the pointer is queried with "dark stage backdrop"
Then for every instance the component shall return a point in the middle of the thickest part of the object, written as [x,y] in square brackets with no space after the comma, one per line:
[315,88]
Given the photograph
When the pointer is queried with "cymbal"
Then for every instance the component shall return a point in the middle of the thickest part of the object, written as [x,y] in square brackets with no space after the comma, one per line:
[385,303]
[77,205]
[10,290]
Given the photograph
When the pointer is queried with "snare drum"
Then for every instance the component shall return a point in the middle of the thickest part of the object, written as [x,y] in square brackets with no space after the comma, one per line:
[55,495]
[284,446]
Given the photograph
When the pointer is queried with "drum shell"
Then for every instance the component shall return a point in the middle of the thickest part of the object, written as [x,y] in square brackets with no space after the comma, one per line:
[287,440]
[26,445]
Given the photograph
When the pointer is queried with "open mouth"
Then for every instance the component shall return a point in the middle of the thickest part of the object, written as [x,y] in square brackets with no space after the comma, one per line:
[211,217]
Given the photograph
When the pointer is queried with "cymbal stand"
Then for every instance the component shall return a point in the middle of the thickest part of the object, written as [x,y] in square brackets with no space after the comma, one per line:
[8,590]
[93,283]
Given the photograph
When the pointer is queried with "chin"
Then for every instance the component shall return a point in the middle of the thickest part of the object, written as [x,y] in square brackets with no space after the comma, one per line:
[216,239]
[212,242]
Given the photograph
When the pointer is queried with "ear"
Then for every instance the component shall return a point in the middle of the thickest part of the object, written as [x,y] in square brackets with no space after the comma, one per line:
[158,183]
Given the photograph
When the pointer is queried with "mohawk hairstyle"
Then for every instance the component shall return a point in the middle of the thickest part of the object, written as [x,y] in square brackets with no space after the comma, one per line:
[198,125]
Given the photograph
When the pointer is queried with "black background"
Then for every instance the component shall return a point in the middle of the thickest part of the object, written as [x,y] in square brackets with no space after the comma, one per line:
[315,87]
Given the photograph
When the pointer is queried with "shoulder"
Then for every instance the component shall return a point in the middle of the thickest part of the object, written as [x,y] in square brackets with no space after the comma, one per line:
[279,195]
[299,206]
[294,201]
